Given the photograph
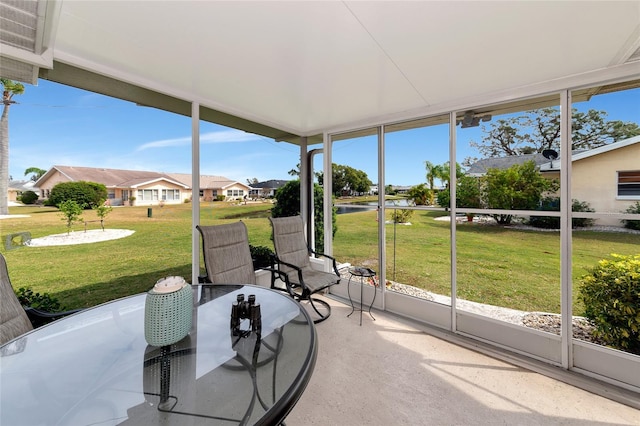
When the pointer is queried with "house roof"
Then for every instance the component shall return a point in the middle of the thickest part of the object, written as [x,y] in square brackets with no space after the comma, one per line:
[111,178]
[208,182]
[555,165]
[271,184]
[481,167]
[290,69]
[22,185]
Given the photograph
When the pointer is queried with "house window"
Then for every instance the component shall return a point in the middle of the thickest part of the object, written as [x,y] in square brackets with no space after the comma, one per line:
[201,192]
[125,195]
[170,194]
[629,184]
[111,194]
[148,194]
[229,193]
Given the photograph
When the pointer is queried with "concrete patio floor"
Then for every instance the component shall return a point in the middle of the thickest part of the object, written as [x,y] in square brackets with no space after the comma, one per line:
[396,372]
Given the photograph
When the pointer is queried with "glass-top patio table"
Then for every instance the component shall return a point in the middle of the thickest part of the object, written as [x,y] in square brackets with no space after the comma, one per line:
[96,368]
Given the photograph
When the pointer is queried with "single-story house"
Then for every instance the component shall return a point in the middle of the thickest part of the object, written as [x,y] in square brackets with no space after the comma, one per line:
[213,186]
[607,177]
[17,187]
[266,189]
[148,188]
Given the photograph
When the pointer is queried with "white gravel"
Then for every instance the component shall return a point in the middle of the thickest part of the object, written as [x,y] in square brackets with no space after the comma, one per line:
[82,237]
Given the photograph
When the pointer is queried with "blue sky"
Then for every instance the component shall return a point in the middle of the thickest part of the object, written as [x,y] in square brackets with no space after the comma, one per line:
[54,124]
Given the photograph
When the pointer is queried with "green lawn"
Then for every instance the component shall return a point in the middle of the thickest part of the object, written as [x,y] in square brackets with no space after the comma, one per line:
[500,266]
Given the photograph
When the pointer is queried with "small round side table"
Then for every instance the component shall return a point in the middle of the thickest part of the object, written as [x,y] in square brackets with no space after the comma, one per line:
[363,273]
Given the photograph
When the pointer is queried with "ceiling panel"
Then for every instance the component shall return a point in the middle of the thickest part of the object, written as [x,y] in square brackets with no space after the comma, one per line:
[305,67]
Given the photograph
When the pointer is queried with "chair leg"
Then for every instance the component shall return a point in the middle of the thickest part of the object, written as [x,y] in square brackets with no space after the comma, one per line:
[323,317]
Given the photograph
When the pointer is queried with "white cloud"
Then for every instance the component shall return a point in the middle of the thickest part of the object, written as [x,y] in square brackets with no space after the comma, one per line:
[225,136]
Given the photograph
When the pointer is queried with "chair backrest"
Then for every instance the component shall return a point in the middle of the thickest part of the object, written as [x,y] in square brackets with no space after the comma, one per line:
[290,242]
[227,257]
[13,319]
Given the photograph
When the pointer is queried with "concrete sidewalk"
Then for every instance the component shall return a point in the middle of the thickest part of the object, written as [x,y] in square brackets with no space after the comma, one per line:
[395,372]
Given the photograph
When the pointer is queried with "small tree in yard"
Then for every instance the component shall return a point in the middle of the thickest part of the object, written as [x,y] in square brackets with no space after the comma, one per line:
[520,187]
[102,211]
[71,212]
[611,296]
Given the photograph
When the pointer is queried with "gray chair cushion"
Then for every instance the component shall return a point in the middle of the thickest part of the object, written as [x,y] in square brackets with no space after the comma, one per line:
[227,257]
[13,319]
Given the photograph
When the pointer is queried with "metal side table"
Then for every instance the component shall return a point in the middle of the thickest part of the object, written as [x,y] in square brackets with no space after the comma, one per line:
[363,273]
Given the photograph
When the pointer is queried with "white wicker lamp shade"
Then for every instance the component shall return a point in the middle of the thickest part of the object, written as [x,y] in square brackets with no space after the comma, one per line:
[168,311]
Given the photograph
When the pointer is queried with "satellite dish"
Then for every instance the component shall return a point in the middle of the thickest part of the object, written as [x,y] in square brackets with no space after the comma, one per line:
[550,154]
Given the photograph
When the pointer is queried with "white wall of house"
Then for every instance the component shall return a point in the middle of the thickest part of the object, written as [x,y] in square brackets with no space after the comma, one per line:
[162,191]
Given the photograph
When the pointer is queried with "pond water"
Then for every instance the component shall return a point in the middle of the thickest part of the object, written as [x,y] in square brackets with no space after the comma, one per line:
[369,205]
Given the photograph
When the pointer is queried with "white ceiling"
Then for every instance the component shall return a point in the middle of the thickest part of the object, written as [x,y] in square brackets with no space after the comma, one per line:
[306,67]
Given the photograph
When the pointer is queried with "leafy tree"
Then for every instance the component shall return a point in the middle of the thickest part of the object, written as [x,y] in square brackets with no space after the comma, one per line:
[539,129]
[520,187]
[35,172]
[86,194]
[71,212]
[103,210]
[469,192]
[420,195]
[9,90]
[288,204]
[347,179]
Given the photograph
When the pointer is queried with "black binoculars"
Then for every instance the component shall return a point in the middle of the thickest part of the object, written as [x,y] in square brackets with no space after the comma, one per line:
[245,309]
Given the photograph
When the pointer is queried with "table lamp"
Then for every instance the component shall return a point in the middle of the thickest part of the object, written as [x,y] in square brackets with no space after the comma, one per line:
[168,311]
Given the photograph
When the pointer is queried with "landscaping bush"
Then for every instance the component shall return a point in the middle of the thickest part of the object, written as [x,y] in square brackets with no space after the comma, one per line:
[44,302]
[288,204]
[29,197]
[611,296]
[551,222]
[261,256]
[632,224]
[87,194]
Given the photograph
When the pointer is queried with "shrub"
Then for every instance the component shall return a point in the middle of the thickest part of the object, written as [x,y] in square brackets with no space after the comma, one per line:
[632,224]
[261,256]
[551,222]
[45,302]
[288,204]
[611,296]
[87,194]
[29,197]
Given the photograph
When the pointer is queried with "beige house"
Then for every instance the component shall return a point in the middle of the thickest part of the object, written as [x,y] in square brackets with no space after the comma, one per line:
[212,187]
[148,188]
[608,177]
[17,187]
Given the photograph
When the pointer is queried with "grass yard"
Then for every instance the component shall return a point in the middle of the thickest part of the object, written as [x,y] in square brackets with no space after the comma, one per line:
[496,265]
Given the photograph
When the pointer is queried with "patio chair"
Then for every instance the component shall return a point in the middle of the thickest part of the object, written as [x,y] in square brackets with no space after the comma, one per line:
[293,258]
[15,320]
[227,256]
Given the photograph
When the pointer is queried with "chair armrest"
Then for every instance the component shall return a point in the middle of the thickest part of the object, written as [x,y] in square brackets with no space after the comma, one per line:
[333,260]
[39,317]
[280,275]
[204,279]
[298,270]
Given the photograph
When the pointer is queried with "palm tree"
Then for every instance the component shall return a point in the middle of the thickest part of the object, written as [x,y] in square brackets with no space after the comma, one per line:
[37,173]
[10,88]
